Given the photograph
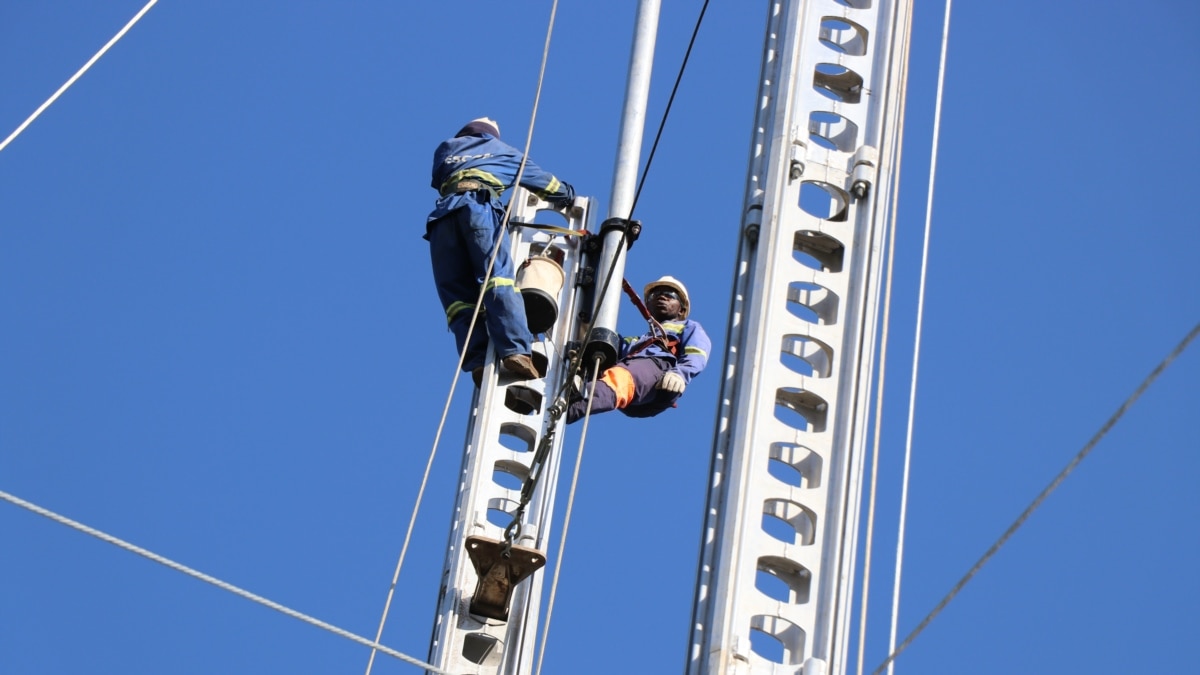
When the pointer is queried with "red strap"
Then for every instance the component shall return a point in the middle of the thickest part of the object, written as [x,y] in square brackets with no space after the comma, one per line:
[637,300]
[656,330]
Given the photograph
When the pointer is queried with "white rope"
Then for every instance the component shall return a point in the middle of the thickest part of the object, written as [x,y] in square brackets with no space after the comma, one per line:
[77,75]
[912,393]
[503,232]
[897,143]
[214,581]
[562,542]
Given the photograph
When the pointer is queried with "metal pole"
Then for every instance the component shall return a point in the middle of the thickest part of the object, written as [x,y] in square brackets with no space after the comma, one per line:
[603,339]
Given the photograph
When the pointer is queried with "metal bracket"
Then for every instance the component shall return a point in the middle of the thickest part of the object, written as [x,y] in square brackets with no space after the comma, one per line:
[500,569]
[632,229]
[866,159]
[797,152]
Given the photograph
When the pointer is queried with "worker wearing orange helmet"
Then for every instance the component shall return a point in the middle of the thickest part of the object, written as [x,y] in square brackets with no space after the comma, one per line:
[652,373]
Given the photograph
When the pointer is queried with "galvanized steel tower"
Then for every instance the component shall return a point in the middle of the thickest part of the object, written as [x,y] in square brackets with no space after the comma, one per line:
[513,436]
[778,556]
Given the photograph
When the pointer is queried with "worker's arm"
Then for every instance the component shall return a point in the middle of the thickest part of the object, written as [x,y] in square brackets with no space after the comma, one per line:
[694,347]
[545,185]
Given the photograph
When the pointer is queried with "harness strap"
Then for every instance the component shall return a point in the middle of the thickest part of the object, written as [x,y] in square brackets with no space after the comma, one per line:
[658,333]
[549,228]
[469,180]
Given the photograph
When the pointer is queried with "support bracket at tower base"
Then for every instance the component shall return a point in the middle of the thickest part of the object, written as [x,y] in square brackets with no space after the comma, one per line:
[499,571]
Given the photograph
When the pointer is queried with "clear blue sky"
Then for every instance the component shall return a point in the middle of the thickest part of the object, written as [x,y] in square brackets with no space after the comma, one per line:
[221,341]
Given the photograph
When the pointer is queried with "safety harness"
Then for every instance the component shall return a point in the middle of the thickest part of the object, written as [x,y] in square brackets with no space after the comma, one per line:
[471,180]
[554,229]
[658,334]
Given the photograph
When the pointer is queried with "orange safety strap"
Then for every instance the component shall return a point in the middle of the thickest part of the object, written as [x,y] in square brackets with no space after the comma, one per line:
[566,232]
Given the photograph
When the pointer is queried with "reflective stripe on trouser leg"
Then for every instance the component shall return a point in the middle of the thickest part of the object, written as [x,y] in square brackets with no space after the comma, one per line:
[476,351]
[457,307]
[506,323]
[460,245]
[454,277]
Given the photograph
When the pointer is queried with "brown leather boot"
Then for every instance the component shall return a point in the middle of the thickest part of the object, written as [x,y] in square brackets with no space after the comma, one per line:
[521,366]
[477,376]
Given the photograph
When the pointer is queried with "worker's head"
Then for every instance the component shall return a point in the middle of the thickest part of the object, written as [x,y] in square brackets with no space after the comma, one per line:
[667,298]
[480,125]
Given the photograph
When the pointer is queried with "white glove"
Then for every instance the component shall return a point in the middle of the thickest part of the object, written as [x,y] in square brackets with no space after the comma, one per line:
[672,382]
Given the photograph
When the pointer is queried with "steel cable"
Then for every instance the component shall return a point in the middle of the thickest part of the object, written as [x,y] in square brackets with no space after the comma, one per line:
[897,143]
[912,394]
[562,541]
[120,543]
[79,73]
[1053,485]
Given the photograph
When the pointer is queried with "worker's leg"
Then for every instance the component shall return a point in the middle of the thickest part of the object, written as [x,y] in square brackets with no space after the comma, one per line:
[645,372]
[506,323]
[627,383]
[454,276]
[603,398]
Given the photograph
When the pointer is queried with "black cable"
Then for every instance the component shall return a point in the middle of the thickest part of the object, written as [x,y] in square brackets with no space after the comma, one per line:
[574,363]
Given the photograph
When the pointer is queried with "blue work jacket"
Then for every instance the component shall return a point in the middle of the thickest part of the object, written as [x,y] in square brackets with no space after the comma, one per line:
[485,158]
[691,351]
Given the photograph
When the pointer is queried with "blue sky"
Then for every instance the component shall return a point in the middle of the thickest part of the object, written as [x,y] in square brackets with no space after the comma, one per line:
[221,341]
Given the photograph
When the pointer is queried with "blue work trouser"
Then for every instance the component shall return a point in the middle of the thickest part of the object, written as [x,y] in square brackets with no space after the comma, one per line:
[647,401]
[460,245]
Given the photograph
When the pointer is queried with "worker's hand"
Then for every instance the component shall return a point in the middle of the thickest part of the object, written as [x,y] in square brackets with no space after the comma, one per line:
[567,200]
[672,382]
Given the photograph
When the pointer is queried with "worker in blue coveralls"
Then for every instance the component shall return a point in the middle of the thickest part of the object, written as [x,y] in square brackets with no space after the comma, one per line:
[470,172]
[650,376]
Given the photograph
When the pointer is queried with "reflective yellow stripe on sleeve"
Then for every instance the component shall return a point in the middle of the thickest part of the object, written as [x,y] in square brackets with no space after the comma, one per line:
[548,191]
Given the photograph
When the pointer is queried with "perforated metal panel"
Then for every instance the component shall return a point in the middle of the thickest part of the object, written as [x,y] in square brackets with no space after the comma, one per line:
[778,555]
[497,458]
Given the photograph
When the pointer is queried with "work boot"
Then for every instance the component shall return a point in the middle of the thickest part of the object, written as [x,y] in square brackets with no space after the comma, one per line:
[477,376]
[521,366]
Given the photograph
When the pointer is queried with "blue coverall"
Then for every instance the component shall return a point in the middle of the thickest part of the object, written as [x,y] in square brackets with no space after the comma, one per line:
[646,361]
[462,229]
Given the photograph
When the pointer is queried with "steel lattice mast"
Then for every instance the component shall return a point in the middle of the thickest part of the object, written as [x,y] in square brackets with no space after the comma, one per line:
[513,435]
[778,554]
[509,423]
